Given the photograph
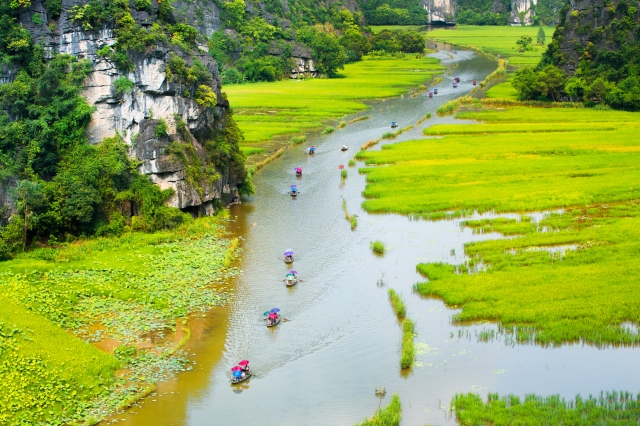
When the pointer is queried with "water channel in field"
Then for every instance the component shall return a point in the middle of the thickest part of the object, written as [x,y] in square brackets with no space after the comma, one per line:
[342,340]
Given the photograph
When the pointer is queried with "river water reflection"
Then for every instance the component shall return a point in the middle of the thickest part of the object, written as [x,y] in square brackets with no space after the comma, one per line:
[322,367]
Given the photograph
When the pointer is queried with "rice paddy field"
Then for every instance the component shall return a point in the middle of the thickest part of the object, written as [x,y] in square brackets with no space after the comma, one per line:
[267,110]
[73,315]
[570,276]
[497,40]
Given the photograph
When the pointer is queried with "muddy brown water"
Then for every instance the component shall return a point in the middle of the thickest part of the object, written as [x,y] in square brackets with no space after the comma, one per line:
[322,367]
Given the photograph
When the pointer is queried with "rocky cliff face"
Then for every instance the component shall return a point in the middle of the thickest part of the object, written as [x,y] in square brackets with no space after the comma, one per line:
[440,11]
[135,114]
[522,12]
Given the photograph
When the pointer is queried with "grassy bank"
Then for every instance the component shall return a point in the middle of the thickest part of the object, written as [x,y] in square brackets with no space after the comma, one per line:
[583,160]
[110,292]
[398,304]
[265,110]
[387,416]
[611,409]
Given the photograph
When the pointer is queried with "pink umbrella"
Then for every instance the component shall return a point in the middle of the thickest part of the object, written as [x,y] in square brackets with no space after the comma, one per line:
[236,368]
[272,315]
[243,362]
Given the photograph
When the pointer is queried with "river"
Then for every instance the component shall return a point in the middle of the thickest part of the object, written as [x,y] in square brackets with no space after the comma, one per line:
[342,340]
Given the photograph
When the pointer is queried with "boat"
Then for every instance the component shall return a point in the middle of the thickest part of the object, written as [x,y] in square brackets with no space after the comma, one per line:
[288,256]
[475,82]
[236,380]
[394,124]
[344,148]
[455,86]
[435,91]
[456,79]
[293,191]
[312,150]
[291,279]
[298,171]
[431,94]
[278,318]
[272,317]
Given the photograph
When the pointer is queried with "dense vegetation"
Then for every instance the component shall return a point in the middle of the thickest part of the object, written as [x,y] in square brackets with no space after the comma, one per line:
[498,12]
[394,12]
[253,49]
[613,408]
[387,416]
[600,65]
[511,163]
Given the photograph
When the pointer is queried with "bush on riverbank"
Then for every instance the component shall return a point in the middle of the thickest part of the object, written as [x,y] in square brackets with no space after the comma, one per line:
[387,416]
[378,247]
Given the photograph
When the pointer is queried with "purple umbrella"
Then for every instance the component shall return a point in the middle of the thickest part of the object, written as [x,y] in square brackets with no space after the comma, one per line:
[288,253]
[293,272]
[274,310]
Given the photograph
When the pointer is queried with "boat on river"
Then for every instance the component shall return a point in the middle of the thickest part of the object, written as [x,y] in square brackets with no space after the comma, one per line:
[431,94]
[394,124]
[455,86]
[344,148]
[294,190]
[298,171]
[291,279]
[475,82]
[435,91]
[288,256]
[241,372]
[272,317]
[312,150]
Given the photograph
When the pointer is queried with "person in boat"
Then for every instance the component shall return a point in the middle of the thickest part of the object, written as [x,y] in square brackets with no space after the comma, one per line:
[298,171]
[245,368]
[312,149]
[344,147]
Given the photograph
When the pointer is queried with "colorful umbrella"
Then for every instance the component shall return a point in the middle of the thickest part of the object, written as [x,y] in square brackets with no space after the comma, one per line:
[236,368]
[288,253]
[237,373]
[244,362]
[272,315]
[341,166]
[274,310]
[267,313]
[293,272]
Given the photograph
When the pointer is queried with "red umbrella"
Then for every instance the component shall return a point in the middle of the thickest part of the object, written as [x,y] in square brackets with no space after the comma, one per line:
[243,362]
[236,368]
[341,166]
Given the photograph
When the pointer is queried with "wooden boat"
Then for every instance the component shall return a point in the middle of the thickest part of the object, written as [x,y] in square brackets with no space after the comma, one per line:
[275,323]
[235,381]
[293,193]
[455,86]
[475,82]
[298,174]
[394,124]
[435,91]
[431,94]
[344,148]
[288,259]
[291,280]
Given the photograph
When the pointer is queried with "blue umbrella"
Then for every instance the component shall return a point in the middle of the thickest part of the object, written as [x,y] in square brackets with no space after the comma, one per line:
[275,310]
[237,373]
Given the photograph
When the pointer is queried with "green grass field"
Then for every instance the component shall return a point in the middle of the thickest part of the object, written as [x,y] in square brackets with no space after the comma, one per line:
[503,90]
[265,110]
[496,40]
[377,28]
[56,300]
[586,161]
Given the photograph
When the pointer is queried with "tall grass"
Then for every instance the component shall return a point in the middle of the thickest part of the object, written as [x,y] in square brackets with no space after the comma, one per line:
[452,106]
[296,140]
[257,166]
[352,163]
[361,118]
[398,304]
[408,355]
[501,71]
[353,219]
[328,130]
[378,247]
[344,173]
[388,416]
[425,117]
[607,408]
[342,124]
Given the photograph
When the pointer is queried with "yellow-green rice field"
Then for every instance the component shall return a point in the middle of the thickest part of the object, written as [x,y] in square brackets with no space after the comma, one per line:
[265,110]
[573,276]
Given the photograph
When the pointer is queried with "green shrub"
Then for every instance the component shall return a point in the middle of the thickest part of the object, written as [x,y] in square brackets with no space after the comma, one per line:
[162,128]
[342,124]
[388,416]
[142,5]
[36,19]
[344,173]
[123,85]
[352,163]
[378,247]
[298,139]
[328,130]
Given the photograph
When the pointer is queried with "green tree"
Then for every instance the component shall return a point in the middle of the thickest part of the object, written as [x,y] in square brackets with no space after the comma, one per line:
[575,88]
[411,41]
[354,41]
[328,54]
[27,195]
[524,43]
[541,38]
[525,81]
[551,82]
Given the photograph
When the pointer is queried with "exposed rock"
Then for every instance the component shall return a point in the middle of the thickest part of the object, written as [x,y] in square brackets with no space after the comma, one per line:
[522,12]
[441,12]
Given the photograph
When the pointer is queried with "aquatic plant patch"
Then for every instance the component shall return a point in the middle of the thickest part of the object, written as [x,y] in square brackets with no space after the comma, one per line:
[398,304]
[387,416]
[611,408]
[119,288]
[533,286]
[265,110]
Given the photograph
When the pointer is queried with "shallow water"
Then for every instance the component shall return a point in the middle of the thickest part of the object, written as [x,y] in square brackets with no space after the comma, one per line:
[322,367]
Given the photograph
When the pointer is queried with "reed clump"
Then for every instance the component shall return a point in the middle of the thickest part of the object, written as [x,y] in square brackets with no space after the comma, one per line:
[378,247]
[425,117]
[391,135]
[398,304]
[342,124]
[353,219]
[361,118]
[344,173]
[296,140]
[352,163]
[328,130]
[369,144]
[607,408]
[257,166]
[408,354]
[354,222]
[453,105]
[387,416]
